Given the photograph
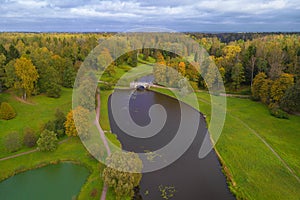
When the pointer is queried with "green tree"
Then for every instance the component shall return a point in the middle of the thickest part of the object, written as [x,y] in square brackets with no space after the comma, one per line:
[47,141]
[12,142]
[27,76]
[257,83]
[53,90]
[237,75]
[69,76]
[291,99]
[2,72]
[117,173]
[6,111]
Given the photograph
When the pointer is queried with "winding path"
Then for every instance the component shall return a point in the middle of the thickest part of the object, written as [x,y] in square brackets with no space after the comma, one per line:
[97,124]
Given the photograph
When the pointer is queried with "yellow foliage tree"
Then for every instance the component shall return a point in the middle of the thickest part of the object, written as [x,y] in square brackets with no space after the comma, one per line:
[181,68]
[27,75]
[280,85]
[81,115]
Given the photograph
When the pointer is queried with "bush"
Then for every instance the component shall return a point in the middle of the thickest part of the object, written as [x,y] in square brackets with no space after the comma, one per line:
[277,112]
[47,141]
[12,142]
[30,138]
[6,111]
[54,90]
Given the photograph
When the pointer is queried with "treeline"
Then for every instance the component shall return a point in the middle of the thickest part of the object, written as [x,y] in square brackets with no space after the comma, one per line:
[42,63]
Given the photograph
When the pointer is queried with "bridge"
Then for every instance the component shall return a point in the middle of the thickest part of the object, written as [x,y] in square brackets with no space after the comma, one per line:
[140,84]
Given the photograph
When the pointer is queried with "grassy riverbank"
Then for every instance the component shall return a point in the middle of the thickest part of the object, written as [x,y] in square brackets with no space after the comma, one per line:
[246,146]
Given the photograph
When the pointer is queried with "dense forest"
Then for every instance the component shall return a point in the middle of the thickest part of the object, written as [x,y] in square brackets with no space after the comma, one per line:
[266,65]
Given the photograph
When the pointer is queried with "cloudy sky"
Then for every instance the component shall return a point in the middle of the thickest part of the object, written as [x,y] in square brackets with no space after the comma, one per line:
[178,15]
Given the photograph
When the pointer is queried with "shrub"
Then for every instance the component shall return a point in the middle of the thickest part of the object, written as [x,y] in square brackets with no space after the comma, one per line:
[94,193]
[277,112]
[30,138]
[6,111]
[54,90]
[47,141]
[12,142]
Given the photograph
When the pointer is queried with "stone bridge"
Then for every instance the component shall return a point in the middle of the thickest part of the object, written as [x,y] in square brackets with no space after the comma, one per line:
[141,84]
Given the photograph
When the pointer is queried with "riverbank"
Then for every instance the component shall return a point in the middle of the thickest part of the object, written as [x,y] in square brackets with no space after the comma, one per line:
[254,171]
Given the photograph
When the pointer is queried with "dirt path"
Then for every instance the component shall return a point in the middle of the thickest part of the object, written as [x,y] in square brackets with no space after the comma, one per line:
[27,152]
[105,187]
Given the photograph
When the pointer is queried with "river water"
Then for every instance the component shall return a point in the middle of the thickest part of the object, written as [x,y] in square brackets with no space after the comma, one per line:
[189,177]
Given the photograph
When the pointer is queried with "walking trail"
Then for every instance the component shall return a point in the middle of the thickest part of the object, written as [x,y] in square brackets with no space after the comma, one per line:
[105,187]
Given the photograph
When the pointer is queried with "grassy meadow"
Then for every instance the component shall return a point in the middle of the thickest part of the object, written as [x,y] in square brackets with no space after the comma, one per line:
[254,169]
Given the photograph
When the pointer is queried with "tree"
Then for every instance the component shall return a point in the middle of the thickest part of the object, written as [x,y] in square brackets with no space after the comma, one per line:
[27,76]
[249,61]
[280,85]
[181,68]
[70,125]
[29,137]
[6,111]
[237,75]
[69,77]
[13,53]
[118,174]
[265,91]
[257,83]
[87,90]
[53,90]
[2,72]
[291,99]
[12,142]
[81,115]
[47,141]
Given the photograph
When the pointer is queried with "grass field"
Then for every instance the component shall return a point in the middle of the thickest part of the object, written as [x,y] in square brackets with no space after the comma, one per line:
[257,173]
[34,115]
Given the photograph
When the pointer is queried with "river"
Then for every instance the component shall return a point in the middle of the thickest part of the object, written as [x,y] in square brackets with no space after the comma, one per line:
[189,177]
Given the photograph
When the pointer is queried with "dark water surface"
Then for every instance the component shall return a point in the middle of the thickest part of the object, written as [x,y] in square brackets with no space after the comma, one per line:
[60,182]
[192,178]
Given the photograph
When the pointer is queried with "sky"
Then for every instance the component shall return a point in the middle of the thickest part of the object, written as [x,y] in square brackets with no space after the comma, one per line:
[177,15]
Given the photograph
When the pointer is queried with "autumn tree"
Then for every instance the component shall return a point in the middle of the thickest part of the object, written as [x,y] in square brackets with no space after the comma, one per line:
[280,86]
[27,76]
[257,83]
[81,115]
[265,91]
[123,173]
[30,138]
[181,68]
[47,141]
[7,112]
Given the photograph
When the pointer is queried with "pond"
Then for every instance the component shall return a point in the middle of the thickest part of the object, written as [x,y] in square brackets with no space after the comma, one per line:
[60,182]
[188,177]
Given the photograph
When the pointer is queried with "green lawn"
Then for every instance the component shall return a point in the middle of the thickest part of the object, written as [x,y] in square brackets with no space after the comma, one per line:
[72,150]
[32,115]
[256,172]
